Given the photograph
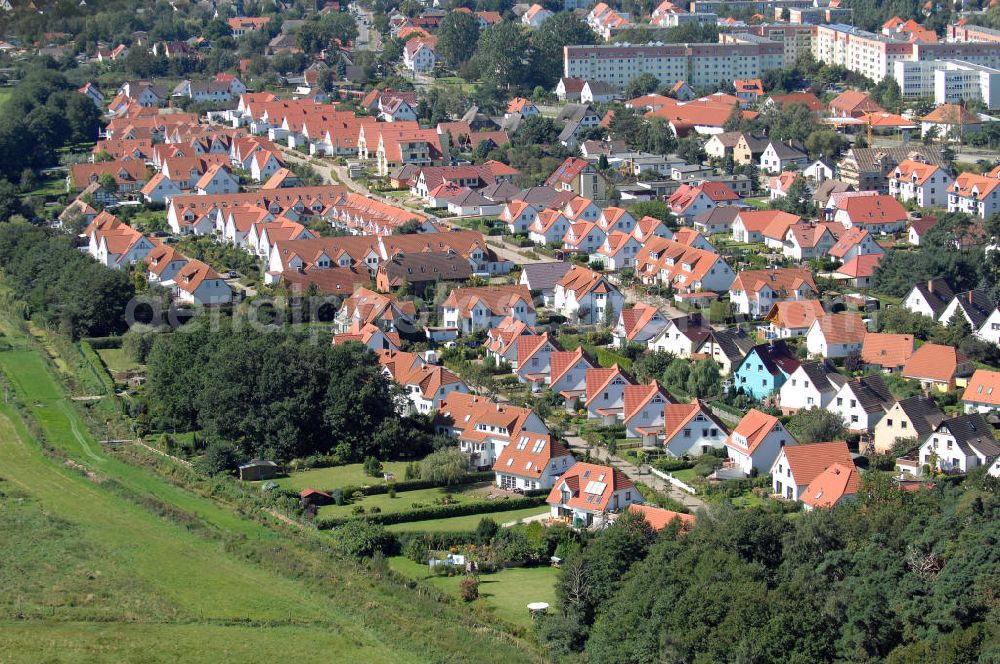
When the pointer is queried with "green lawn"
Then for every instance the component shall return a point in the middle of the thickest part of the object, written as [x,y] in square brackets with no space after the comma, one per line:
[98,572]
[336,477]
[466,523]
[116,360]
[687,475]
[761,203]
[508,592]
[405,500]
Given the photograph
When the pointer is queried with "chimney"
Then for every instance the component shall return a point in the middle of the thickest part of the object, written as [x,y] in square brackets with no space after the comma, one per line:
[969,296]
[930,285]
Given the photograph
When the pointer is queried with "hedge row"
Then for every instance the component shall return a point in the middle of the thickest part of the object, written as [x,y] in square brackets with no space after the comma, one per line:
[97,366]
[439,512]
[414,485]
[104,343]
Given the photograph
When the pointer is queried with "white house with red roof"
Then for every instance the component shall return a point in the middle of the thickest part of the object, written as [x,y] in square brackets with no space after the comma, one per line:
[568,374]
[535,16]
[585,294]
[756,442]
[691,429]
[533,366]
[855,242]
[689,200]
[198,283]
[642,413]
[925,184]
[879,214]
[370,336]
[974,194]
[687,269]
[217,179]
[618,251]
[534,461]
[480,308]
[637,324]
[835,485]
[584,237]
[425,385]
[779,185]
[580,176]
[163,262]
[116,244]
[159,189]
[796,466]
[754,292]
[836,335]
[586,493]
[502,341]
[264,164]
[648,227]
[419,55]
[483,427]
[806,241]
[518,216]
[606,393]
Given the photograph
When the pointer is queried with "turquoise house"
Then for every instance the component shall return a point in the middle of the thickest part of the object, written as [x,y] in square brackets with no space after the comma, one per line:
[765,369]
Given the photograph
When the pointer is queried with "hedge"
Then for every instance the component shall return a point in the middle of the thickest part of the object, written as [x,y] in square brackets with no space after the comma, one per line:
[103,343]
[97,366]
[440,512]
[437,540]
[414,485]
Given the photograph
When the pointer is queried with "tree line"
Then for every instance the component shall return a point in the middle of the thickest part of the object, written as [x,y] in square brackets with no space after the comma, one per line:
[277,395]
[59,286]
[897,577]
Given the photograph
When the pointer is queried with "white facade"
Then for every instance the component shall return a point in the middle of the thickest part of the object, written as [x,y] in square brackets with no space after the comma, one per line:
[801,392]
[846,404]
[949,81]
[696,437]
[763,456]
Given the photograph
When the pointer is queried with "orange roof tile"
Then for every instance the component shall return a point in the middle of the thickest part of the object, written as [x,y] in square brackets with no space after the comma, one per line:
[889,351]
[934,362]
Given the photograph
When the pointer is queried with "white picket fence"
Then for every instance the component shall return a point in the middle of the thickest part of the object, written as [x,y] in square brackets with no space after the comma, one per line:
[683,486]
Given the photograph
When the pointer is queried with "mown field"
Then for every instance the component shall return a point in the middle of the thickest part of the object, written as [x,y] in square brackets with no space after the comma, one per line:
[113,563]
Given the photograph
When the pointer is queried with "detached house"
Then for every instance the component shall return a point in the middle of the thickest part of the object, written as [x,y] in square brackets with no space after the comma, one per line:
[862,402]
[765,369]
[812,385]
[727,348]
[585,294]
[833,486]
[878,214]
[929,298]
[197,283]
[579,176]
[683,336]
[798,465]
[836,335]
[502,341]
[974,194]
[936,366]
[778,156]
[535,461]
[473,309]
[425,385]
[643,412]
[913,419]
[586,493]
[483,427]
[887,352]
[756,442]
[606,393]
[960,444]
[754,292]
[163,263]
[854,243]
[792,318]
[533,365]
[982,395]
[638,324]
[691,429]
[690,201]
[568,375]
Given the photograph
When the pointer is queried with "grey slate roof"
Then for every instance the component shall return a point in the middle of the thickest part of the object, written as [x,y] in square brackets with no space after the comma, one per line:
[823,375]
[977,306]
[937,293]
[972,433]
[735,343]
[923,413]
[871,393]
[545,276]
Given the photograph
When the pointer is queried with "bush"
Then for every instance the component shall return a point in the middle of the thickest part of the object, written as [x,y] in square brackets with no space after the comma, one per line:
[427,513]
[372,467]
[362,539]
[468,589]
[220,456]
[486,530]
[416,551]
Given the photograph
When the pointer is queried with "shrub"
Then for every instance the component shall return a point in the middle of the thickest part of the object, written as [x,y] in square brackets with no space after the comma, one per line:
[416,550]
[486,530]
[220,456]
[372,467]
[358,509]
[468,589]
[363,539]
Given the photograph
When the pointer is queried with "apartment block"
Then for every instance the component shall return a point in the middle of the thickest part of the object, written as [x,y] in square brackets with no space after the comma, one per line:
[949,81]
[701,65]
[796,40]
[860,51]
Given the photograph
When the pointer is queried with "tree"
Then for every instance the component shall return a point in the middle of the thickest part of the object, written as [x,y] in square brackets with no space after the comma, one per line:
[609,318]
[446,466]
[108,183]
[372,467]
[677,373]
[562,29]
[814,425]
[458,36]
[362,539]
[219,457]
[501,55]
[410,227]
[643,84]
[704,379]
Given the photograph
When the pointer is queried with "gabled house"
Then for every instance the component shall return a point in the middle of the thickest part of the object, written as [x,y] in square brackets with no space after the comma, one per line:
[691,429]
[887,352]
[534,462]
[533,365]
[579,176]
[727,348]
[482,426]
[503,340]
[480,308]
[685,268]
[929,298]
[689,200]
[793,318]
[518,216]
[719,219]
[862,402]
[606,393]
[855,242]
[568,375]
[750,225]
[836,335]
[778,156]
[798,465]
[936,366]
[550,227]
[425,385]
[978,309]
[925,184]
[198,283]
[913,419]
[982,395]
[586,493]
[369,336]
[618,251]
[835,485]
[163,263]
[974,194]
[541,278]
[756,442]
[878,214]
[807,241]
[586,295]
[754,292]
[643,409]
[637,324]
[683,335]
[765,369]
[959,444]
[812,385]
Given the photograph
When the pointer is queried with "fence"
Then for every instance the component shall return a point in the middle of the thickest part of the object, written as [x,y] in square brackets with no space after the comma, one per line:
[683,486]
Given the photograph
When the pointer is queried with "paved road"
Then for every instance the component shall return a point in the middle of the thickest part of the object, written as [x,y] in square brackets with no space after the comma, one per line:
[579,446]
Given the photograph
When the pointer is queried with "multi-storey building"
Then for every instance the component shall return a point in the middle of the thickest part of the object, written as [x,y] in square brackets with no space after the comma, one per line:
[860,51]
[701,65]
